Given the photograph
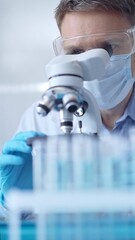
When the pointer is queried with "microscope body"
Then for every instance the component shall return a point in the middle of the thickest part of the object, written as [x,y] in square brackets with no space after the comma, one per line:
[66,93]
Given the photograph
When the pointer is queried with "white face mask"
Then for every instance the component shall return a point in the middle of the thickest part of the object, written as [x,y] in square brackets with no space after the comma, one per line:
[116,83]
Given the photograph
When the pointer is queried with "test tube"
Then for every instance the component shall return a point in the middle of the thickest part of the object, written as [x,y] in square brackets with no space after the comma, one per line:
[64,162]
[38,157]
[50,173]
[132,157]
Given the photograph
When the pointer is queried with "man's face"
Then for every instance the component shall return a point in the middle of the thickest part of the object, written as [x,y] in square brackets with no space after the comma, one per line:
[83,23]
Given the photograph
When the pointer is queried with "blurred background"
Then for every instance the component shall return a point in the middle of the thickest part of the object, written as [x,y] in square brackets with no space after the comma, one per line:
[27,30]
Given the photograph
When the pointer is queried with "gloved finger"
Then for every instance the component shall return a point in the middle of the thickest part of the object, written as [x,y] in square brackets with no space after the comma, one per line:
[15,146]
[28,134]
[10,160]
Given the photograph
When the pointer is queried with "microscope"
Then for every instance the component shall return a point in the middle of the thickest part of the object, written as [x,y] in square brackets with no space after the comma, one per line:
[66,93]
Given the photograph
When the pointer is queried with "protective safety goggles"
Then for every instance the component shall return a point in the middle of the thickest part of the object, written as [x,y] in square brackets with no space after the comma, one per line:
[120,42]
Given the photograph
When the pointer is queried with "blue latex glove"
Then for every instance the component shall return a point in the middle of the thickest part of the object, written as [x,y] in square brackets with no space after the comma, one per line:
[16,162]
[16,150]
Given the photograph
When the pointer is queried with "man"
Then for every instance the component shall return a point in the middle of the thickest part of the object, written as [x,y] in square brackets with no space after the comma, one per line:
[83,25]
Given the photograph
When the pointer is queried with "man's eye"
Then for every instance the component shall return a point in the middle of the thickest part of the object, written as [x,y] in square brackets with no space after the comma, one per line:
[116,46]
[74,51]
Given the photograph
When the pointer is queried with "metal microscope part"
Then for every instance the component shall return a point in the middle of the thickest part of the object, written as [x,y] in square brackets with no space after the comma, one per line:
[73,69]
[66,100]
[46,104]
[70,101]
[81,110]
[66,121]
[59,98]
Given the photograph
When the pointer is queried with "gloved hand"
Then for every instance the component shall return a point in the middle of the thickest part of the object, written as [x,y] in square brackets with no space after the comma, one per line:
[17,150]
[16,162]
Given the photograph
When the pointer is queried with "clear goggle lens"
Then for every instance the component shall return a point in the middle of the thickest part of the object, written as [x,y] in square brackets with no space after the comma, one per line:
[119,42]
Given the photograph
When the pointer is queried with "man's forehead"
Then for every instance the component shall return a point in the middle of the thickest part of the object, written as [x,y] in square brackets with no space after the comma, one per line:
[82,23]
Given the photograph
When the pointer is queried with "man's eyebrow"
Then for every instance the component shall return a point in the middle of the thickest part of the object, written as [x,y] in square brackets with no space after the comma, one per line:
[73,47]
[83,46]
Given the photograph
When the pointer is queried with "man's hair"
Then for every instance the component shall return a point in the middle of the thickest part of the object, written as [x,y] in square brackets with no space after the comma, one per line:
[124,7]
